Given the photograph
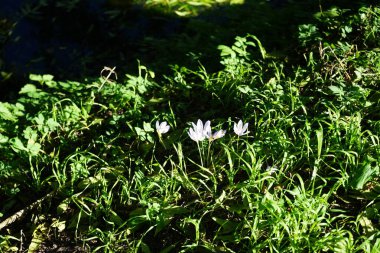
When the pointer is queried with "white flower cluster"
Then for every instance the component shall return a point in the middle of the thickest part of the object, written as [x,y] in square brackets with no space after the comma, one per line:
[201,131]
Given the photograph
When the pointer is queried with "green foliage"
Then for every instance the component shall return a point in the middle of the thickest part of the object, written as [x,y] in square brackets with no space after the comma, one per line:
[187,8]
[304,179]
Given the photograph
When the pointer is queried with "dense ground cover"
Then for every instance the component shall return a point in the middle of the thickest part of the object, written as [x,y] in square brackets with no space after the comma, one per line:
[89,171]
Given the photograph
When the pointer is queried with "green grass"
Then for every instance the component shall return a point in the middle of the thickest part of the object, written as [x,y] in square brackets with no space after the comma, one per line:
[84,164]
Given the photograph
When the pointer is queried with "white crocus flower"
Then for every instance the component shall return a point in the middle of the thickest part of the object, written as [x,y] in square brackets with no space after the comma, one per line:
[162,127]
[218,134]
[240,129]
[199,132]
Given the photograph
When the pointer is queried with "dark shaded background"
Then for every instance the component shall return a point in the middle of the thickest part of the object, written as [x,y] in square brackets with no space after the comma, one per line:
[74,40]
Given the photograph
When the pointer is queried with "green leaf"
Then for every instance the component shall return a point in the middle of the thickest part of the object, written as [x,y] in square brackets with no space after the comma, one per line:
[33,147]
[62,208]
[5,112]
[28,88]
[40,119]
[60,225]
[262,49]
[35,77]
[319,134]
[139,131]
[52,124]
[332,13]
[337,90]
[17,145]
[47,77]
[226,225]
[362,175]
[41,78]
[39,236]
[147,127]
[226,51]
[3,139]
[30,134]
[115,218]
[245,89]
[174,210]
[366,224]
[31,91]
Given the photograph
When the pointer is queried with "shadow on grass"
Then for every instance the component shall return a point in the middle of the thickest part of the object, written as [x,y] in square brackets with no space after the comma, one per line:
[76,39]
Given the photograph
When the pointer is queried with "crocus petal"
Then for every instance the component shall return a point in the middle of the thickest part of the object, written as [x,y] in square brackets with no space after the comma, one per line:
[235,128]
[218,134]
[192,134]
[164,127]
[245,127]
[207,129]
[199,124]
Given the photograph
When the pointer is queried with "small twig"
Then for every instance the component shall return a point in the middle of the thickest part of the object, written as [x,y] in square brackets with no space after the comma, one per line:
[107,78]
[20,214]
[21,239]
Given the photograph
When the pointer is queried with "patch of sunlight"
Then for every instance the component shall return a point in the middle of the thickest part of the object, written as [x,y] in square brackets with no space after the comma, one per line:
[186,8]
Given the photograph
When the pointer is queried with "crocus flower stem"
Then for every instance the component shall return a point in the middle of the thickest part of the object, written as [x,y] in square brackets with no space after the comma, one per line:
[200,153]
[161,140]
[237,149]
[208,153]
[237,144]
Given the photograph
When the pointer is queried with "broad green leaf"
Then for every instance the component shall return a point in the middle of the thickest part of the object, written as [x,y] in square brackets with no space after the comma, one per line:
[5,113]
[52,124]
[147,127]
[40,119]
[362,175]
[17,145]
[30,134]
[226,51]
[336,90]
[3,139]
[140,131]
[28,88]
[41,78]
[33,147]
[32,91]
[35,77]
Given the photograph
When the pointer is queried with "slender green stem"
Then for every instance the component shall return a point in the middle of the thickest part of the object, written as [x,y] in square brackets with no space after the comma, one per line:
[161,140]
[200,153]
[208,153]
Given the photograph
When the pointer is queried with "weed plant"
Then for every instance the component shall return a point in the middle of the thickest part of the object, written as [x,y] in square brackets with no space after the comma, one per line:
[118,167]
